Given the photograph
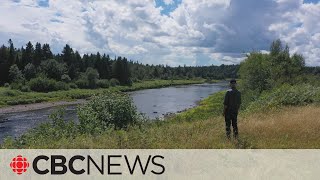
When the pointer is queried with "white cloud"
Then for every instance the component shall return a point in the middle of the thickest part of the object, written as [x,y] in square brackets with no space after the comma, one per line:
[168,2]
[199,32]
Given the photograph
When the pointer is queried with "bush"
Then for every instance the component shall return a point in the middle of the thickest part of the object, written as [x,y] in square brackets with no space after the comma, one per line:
[92,77]
[16,85]
[10,93]
[25,88]
[105,111]
[82,83]
[6,85]
[61,86]
[88,79]
[53,69]
[15,75]
[66,78]
[73,86]
[286,95]
[20,86]
[42,84]
[29,71]
[114,82]
[103,83]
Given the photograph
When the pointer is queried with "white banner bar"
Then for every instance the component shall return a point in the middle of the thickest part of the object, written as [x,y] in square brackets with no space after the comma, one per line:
[159,164]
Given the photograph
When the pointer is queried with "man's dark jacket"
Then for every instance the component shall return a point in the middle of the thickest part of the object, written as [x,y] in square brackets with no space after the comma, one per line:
[232,100]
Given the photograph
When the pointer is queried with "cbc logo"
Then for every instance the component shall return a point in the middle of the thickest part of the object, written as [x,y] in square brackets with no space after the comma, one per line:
[19,164]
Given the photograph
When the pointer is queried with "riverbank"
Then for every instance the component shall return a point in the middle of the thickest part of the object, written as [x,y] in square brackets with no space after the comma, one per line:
[33,100]
[202,127]
[38,106]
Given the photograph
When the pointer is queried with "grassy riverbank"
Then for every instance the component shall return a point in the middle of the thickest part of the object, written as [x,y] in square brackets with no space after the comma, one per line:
[9,97]
[294,126]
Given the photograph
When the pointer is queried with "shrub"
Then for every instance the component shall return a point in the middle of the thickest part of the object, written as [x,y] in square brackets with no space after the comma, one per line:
[53,69]
[6,85]
[29,71]
[286,95]
[61,86]
[66,78]
[16,85]
[10,93]
[106,111]
[114,82]
[92,77]
[82,83]
[42,84]
[103,83]
[73,86]
[88,79]
[25,88]
[15,75]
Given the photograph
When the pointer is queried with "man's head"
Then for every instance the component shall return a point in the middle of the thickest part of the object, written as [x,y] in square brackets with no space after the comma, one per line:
[233,83]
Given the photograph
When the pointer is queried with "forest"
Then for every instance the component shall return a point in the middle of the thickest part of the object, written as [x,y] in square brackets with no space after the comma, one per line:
[37,68]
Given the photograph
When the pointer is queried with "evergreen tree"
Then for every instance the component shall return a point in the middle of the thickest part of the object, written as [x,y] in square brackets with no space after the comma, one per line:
[27,54]
[38,55]
[11,57]
[46,52]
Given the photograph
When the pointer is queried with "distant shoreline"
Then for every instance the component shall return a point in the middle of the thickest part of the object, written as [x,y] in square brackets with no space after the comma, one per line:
[38,106]
[43,105]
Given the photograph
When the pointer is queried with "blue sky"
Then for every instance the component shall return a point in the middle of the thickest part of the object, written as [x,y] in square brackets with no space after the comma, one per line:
[168,8]
[173,32]
[43,3]
[311,1]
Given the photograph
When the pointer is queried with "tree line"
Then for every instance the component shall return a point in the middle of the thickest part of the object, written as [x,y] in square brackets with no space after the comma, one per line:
[260,72]
[35,67]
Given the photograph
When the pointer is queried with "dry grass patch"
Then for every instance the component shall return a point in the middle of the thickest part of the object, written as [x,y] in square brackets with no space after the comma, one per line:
[291,127]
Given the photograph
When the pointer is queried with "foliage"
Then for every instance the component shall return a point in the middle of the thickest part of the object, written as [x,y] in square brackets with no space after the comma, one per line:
[286,95]
[264,71]
[114,82]
[42,84]
[255,72]
[70,67]
[73,86]
[15,75]
[103,83]
[25,88]
[29,71]
[82,83]
[62,86]
[75,93]
[121,71]
[16,85]
[65,78]
[110,110]
[92,76]
[53,69]
[88,79]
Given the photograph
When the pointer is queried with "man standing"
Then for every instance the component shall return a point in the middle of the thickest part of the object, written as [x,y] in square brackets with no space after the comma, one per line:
[232,101]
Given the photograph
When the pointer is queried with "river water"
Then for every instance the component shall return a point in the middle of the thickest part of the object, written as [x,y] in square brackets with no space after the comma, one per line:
[154,103]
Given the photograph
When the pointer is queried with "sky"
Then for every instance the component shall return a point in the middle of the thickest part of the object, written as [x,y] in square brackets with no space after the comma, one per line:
[172,32]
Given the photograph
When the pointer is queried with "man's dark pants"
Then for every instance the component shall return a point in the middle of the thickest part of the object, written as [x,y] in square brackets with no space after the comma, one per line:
[231,118]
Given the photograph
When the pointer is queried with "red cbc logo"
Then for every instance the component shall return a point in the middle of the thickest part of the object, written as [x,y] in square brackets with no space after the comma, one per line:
[19,164]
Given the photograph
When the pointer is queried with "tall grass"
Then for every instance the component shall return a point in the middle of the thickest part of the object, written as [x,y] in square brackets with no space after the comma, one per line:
[292,127]
[285,95]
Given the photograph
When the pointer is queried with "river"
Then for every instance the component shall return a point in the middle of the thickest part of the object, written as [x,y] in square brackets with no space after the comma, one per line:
[154,103]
